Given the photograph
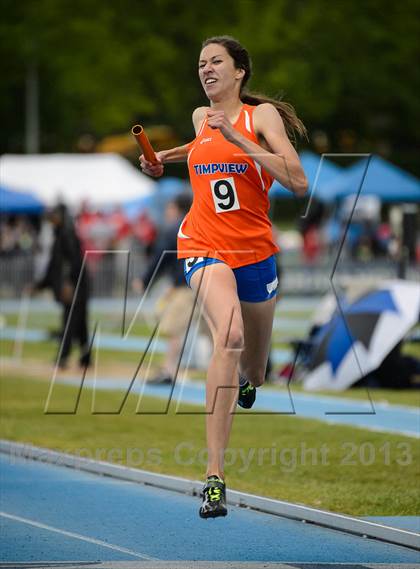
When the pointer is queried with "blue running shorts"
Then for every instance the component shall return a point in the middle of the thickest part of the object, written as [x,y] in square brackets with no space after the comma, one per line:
[256,282]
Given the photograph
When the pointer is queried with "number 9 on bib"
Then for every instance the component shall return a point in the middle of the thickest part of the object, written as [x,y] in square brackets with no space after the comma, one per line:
[224,195]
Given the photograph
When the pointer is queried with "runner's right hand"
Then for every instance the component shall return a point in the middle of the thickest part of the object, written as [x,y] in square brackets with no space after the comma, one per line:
[151,169]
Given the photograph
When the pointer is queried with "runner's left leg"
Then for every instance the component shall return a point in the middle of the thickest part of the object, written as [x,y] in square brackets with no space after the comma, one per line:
[258,320]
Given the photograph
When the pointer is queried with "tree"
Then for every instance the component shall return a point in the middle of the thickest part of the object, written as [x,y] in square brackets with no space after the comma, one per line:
[349,70]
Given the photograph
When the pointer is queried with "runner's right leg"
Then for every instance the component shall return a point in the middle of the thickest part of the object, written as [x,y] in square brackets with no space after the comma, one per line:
[216,286]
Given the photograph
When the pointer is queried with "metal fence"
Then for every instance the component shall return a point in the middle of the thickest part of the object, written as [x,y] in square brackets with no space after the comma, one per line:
[110,273]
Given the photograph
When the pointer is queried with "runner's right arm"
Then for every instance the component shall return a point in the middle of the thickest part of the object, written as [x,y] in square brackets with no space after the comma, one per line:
[177,154]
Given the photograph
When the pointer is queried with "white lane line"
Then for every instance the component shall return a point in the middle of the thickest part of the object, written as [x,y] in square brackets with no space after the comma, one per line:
[78,536]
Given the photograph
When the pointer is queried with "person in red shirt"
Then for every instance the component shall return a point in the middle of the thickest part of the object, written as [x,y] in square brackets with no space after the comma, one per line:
[243,143]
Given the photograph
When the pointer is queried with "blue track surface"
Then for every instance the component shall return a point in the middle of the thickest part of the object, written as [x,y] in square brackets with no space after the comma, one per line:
[115,342]
[153,523]
[386,418]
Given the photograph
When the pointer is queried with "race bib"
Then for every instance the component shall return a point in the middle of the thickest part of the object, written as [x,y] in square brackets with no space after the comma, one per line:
[224,195]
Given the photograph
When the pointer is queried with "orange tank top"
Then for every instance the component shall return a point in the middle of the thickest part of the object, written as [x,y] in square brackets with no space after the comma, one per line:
[228,219]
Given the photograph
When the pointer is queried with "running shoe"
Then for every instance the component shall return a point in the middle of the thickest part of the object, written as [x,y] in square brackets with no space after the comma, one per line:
[247,394]
[85,360]
[162,379]
[214,498]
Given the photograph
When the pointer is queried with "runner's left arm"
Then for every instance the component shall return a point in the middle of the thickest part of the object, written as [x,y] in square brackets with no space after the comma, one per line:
[282,160]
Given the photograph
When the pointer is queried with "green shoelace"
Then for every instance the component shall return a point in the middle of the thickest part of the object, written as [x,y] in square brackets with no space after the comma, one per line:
[214,494]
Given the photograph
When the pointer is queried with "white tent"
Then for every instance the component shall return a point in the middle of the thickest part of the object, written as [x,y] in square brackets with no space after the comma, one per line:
[101,179]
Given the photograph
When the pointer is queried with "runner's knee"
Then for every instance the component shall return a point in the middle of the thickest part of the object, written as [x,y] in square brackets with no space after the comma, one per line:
[231,339]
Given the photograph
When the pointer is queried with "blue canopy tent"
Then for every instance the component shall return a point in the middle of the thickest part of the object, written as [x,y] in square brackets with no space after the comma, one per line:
[311,163]
[132,208]
[168,188]
[14,202]
[384,180]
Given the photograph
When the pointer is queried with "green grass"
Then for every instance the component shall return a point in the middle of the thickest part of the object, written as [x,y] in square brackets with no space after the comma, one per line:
[333,467]
[35,320]
[409,397]
[298,315]
[109,323]
[46,352]
[411,349]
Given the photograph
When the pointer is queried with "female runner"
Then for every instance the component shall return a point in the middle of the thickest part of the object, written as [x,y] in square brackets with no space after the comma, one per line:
[242,143]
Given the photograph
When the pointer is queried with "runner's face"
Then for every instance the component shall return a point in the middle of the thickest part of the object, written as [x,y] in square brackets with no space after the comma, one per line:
[217,72]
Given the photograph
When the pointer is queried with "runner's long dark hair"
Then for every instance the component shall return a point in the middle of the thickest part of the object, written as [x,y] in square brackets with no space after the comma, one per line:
[293,125]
